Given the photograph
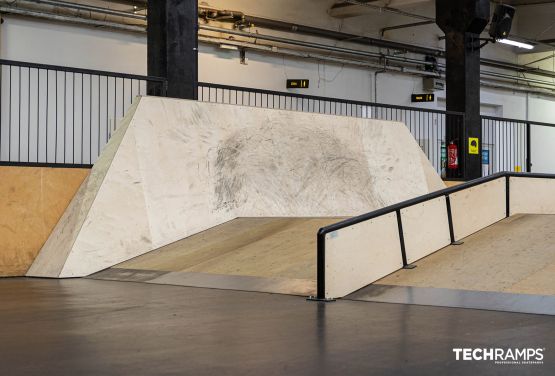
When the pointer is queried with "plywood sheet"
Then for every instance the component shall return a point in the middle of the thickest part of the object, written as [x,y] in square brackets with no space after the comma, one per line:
[32,200]
[478,207]
[425,228]
[514,255]
[261,247]
[361,254]
[532,195]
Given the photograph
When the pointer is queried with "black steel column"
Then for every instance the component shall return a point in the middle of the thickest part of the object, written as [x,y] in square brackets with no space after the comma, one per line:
[173,46]
[463,21]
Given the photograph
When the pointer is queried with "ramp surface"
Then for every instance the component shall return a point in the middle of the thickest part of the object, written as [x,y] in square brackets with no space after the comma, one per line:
[255,254]
[175,168]
[515,255]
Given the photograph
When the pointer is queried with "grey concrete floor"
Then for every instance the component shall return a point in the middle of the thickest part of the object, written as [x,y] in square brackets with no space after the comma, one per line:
[91,327]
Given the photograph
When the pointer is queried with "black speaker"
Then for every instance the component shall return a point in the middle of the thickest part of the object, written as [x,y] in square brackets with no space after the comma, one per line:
[502,21]
[470,16]
[480,17]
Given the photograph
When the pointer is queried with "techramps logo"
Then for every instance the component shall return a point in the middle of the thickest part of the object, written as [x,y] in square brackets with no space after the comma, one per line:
[511,356]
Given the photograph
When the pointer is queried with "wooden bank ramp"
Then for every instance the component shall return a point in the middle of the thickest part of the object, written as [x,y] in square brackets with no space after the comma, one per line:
[275,255]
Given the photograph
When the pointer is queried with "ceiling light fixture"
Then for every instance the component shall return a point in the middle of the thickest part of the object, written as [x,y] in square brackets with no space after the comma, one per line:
[228,47]
[516,44]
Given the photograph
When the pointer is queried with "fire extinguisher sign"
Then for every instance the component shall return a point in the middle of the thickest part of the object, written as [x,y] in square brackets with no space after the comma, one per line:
[473,145]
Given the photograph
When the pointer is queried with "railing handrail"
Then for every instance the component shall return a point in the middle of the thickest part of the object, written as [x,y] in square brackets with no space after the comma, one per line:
[93,72]
[327,99]
[427,197]
[509,120]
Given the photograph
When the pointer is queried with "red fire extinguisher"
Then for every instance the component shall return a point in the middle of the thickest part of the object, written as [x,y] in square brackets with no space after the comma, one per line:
[452,156]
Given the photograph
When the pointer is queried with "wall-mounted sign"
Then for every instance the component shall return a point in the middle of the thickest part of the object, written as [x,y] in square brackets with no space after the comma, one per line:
[485,157]
[418,98]
[473,145]
[297,84]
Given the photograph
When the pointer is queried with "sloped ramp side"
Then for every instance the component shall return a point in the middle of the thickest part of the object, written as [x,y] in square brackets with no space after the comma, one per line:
[54,253]
[183,167]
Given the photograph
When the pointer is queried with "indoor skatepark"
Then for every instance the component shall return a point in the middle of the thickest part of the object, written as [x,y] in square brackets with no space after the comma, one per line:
[157,224]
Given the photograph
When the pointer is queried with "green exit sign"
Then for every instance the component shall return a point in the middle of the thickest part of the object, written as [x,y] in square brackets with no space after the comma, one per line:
[419,98]
[297,84]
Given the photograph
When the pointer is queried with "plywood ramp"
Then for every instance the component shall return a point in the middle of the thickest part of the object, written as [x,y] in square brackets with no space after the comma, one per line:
[515,255]
[281,252]
[176,168]
[32,200]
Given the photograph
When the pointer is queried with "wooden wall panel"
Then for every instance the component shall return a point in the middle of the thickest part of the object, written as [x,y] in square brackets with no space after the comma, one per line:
[32,200]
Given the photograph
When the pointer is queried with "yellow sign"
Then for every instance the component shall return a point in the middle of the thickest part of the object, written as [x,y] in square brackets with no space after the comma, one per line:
[473,145]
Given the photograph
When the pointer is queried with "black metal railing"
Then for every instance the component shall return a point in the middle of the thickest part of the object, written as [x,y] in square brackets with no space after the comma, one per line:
[55,115]
[507,144]
[397,208]
[64,116]
[426,125]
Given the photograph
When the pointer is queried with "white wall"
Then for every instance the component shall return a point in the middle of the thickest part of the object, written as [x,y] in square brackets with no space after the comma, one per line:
[74,46]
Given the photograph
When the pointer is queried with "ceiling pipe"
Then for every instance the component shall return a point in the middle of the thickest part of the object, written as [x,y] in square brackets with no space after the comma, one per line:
[74,20]
[313,45]
[518,68]
[388,10]
[87,8]
[310,55]
[358,52]
[367,41]
[405,26]
[137,3]
[516,78]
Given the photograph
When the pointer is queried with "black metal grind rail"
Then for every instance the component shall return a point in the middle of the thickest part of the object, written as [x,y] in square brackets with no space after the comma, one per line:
[53,115]
[321,236]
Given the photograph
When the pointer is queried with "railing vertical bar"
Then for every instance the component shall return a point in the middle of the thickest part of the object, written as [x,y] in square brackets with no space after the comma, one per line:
[123,97]
[56,116]
[108,107]
[82,118]
[507,196]
[65,113]
[1,118]
[29,115]
[528,150]
[73,117]
[321,266]
[90,116]
[401,237]
[98,120]
[19,115]
[47,106]
[450,218]
[38,113]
